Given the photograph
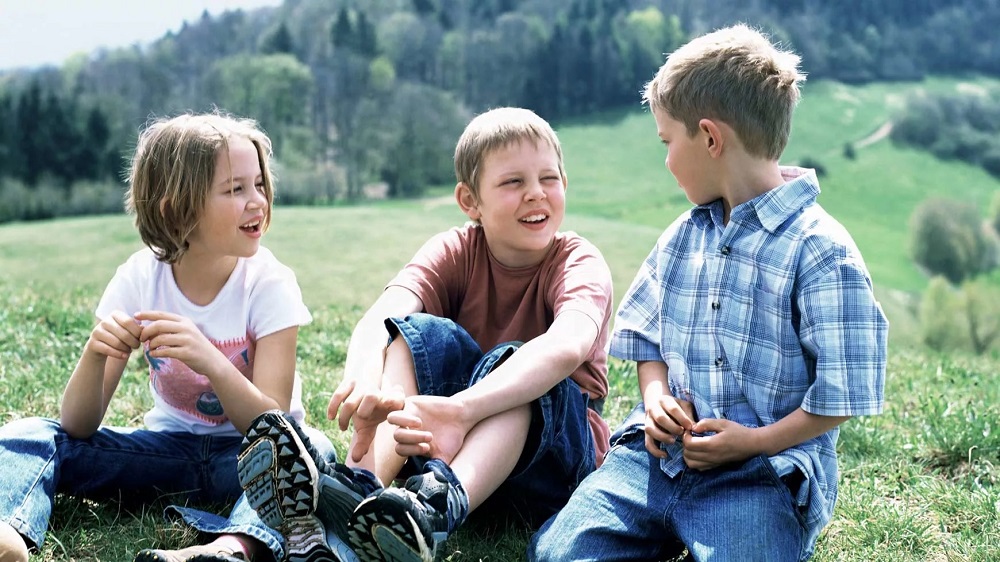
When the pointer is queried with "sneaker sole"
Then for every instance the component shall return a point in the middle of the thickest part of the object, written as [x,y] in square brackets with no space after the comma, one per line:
[316,549]
[281,481]
[150,555]
[384,531]
[283,485]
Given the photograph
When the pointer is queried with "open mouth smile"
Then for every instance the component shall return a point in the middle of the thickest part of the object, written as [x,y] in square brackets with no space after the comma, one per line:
[251,227]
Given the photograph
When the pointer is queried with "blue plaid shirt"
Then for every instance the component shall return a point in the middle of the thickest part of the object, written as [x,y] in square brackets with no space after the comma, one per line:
[757,318]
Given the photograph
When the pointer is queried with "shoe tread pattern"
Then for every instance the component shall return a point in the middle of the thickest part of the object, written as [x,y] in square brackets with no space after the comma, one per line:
[279,480]
[382,530]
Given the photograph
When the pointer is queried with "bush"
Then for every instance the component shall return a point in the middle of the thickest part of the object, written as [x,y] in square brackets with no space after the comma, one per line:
[810,162]
[947,239]
[940,329]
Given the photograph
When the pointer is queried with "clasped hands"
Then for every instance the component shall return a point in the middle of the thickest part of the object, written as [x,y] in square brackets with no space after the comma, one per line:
[707,443]
[168,335]
[429,426]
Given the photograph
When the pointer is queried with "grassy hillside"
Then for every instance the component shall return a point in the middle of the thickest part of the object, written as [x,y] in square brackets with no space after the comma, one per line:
[919,482]
[616,170]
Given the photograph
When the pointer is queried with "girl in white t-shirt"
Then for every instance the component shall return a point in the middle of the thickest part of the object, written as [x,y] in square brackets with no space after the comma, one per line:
[216,317]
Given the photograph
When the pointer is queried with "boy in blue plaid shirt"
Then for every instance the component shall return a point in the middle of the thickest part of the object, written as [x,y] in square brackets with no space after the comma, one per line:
[755,331]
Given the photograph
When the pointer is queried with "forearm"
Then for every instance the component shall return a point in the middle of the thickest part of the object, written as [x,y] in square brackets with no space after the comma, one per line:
[241,400]
[366,350]
[795,428]
[536,367]
[652,377]
[524,377]
[85,398]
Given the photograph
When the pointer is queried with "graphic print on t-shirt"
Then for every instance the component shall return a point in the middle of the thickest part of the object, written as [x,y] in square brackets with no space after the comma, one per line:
[191,392]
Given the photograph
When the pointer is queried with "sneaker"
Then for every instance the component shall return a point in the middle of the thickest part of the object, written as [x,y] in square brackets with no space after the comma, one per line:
[198,553]
[408,524]
[298,493]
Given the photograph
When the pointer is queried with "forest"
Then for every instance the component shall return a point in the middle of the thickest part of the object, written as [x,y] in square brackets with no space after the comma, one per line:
[364,98]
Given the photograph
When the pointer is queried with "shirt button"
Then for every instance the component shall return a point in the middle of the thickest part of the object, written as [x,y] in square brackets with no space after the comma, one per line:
[716,305]
[725,250]
[719,361]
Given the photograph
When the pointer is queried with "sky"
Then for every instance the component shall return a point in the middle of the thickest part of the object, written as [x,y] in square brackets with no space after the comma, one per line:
[39,32]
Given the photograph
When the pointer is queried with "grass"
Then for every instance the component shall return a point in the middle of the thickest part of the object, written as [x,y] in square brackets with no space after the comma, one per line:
[918,483]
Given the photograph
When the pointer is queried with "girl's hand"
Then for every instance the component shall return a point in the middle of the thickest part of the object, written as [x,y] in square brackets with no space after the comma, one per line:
[174,336]
[667,418]
[115,336]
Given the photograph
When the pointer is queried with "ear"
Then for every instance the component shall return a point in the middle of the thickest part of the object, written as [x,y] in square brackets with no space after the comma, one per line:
[467,201]
[712,135]
[164,206]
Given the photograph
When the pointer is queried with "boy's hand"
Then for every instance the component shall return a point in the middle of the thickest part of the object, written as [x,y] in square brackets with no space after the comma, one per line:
[726,443]
[175,336]
[667,419]
[371,410]
[115,336]
[430,426]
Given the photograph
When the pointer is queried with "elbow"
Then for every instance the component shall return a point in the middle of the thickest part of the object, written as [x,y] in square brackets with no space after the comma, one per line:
[76,428]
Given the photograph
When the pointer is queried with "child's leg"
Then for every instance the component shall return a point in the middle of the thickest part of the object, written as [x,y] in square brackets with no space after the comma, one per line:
[12,545]
[617,513]
[398,371]
[483,465]
[41,460]
[742,512]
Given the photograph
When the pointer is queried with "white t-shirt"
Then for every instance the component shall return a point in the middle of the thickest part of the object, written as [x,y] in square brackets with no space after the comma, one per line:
[260,298]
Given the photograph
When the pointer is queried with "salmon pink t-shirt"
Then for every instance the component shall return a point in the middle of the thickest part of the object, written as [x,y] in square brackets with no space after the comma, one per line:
[456,277]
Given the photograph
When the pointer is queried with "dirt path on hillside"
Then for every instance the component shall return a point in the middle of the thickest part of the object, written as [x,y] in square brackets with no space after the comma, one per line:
[879,134]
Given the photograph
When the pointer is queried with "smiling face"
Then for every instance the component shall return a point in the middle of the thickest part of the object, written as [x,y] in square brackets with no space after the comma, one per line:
[236,205]
[521,201]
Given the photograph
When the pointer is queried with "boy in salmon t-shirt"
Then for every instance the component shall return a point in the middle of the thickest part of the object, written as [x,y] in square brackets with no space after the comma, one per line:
[486,416]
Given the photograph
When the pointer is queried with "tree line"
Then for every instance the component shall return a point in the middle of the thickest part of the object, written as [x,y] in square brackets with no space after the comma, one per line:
[362,92]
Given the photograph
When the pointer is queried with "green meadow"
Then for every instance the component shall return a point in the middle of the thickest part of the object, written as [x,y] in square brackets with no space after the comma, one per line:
[919,483]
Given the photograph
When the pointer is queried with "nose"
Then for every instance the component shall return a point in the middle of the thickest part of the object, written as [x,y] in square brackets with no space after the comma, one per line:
[534,191]
[257,199]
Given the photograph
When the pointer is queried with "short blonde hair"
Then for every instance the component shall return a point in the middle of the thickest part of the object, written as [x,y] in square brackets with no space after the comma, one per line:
[737,76]
[171,175]
[496,129]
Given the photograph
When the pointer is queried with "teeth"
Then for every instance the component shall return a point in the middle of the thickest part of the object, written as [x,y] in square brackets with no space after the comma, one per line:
[250,225]
[533,218]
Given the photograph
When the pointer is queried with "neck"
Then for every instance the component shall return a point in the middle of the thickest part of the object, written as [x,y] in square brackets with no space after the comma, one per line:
[747,179]
[200,278]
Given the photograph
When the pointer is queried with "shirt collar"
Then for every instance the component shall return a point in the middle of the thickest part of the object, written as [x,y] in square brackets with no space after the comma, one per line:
[772,208]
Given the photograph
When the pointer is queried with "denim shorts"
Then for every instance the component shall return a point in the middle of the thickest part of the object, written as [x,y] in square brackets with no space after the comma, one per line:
[559,452]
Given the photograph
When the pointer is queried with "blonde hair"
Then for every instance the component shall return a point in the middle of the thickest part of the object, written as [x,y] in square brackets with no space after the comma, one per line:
[171,174]
[737,76]
[496,129]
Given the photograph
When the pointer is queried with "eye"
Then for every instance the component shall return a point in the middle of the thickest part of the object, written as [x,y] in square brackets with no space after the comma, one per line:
[260,186]
[511,182]
[236,189]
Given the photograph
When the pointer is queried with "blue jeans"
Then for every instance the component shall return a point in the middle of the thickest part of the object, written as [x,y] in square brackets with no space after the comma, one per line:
[630,510]
[40,460]
[559,452]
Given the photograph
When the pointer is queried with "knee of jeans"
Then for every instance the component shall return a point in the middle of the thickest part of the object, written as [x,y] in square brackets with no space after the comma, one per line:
[30,428]
[546,544]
